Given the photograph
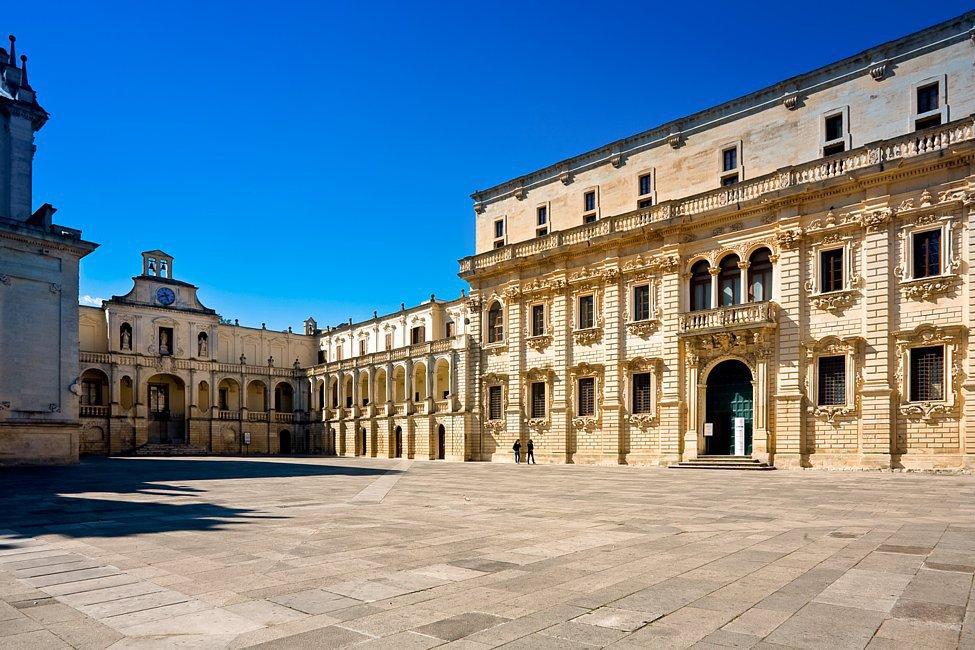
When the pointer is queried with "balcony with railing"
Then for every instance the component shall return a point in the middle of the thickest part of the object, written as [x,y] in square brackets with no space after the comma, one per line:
[911,145]
[754,314]
[94,411]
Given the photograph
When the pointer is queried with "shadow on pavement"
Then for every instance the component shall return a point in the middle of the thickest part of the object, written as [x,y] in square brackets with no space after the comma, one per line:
[42,500]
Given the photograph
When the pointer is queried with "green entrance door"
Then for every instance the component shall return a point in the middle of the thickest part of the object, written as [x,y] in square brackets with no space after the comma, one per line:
[729,396]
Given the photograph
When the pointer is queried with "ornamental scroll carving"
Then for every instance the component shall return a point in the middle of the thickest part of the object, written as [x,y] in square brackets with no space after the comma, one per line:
[926,335]
[848,347]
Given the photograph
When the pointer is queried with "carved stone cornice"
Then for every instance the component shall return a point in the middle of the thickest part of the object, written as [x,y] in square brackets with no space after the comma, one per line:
[928,288]
[643,328]
[587,336]
[835,302]
[539,343]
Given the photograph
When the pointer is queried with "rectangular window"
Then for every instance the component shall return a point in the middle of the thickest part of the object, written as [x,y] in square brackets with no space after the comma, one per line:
[222,399]
[494,403]
[927,98]
[418,335]
[338,354]
[928,374]
[831,269]
[321,356]
[646,184]
[538,400]
[363,347]
[499,229]
[832,381]
[927,253]
[91,393]
[589,218]
[928,105]
[834,127]
[538,320]
[541,232]
[644,203]
[730,179]
[641,302]
[729,159]
[587,396]
[541,214]
[834,135]
[389,341]
[587,312]
[589,201]
[641,393]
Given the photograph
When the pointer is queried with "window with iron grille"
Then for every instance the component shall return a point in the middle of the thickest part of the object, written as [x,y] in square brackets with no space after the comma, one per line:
[831,269]
[641,302]
[538,399]
[587,396]
[494,403]
[927,374]
[642,393]
[538,320]
[586,312]
[927,253]
[832,381]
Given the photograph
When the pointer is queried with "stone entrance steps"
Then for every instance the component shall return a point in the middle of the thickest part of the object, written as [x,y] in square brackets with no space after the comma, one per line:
[724,462]
[155,449]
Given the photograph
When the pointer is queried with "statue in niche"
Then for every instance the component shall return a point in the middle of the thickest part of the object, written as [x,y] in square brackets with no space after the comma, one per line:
[163,342]
[126,340]
[203,350]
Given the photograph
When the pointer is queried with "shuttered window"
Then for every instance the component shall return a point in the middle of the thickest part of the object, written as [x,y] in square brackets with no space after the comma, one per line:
[831,269]
[586,312]
[927,254]
[587,396]
[641,393]
[494,403]
[641,302]
[538,320]
[538,399]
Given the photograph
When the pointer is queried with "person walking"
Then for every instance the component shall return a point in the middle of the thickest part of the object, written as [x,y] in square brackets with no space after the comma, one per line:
[530,458]
[517,449]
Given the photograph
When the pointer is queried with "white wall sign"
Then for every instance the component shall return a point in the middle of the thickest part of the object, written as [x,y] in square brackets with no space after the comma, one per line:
[739,436]
[708,429]
[247,437]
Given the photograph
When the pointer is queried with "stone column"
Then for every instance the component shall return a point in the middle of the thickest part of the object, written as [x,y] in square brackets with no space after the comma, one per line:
[691,435]
[876,423]
[760,406]
[559,443]
[672,398]
[788,446]
[514,420]
[612,448]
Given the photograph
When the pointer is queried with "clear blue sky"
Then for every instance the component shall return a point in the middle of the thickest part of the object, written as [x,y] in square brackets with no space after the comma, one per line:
[317,158]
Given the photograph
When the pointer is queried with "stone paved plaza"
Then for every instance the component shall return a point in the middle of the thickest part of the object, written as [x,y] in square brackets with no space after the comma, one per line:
[219,552]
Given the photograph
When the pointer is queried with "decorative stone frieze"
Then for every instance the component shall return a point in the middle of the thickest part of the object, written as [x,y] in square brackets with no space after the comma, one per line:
[587,336]
[835,302]
[643,328]
[539,343]
[928,288]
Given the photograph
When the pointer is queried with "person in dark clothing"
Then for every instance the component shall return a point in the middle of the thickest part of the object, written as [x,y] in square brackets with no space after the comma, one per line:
[530,458]
[517,449]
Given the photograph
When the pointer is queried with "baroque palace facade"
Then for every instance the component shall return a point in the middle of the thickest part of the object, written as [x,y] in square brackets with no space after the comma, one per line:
[786,276]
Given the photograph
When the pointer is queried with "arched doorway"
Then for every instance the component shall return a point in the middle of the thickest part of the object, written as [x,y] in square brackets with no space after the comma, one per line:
[399,442]
[284,442]
[441,442]
[167,398]
[729,396]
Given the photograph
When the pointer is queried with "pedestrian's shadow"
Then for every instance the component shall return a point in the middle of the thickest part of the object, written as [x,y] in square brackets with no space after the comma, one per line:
[113,497]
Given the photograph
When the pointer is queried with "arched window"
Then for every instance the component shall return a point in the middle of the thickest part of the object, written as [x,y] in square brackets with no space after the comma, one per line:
[125,336]
[729,282]
[700,286]
[495,323]
[760,276]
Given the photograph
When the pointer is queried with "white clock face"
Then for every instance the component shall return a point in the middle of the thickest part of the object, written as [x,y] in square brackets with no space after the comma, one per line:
[165,296]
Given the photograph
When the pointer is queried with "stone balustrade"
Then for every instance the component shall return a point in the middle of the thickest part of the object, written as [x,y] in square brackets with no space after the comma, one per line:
[914,144]
[722,318]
